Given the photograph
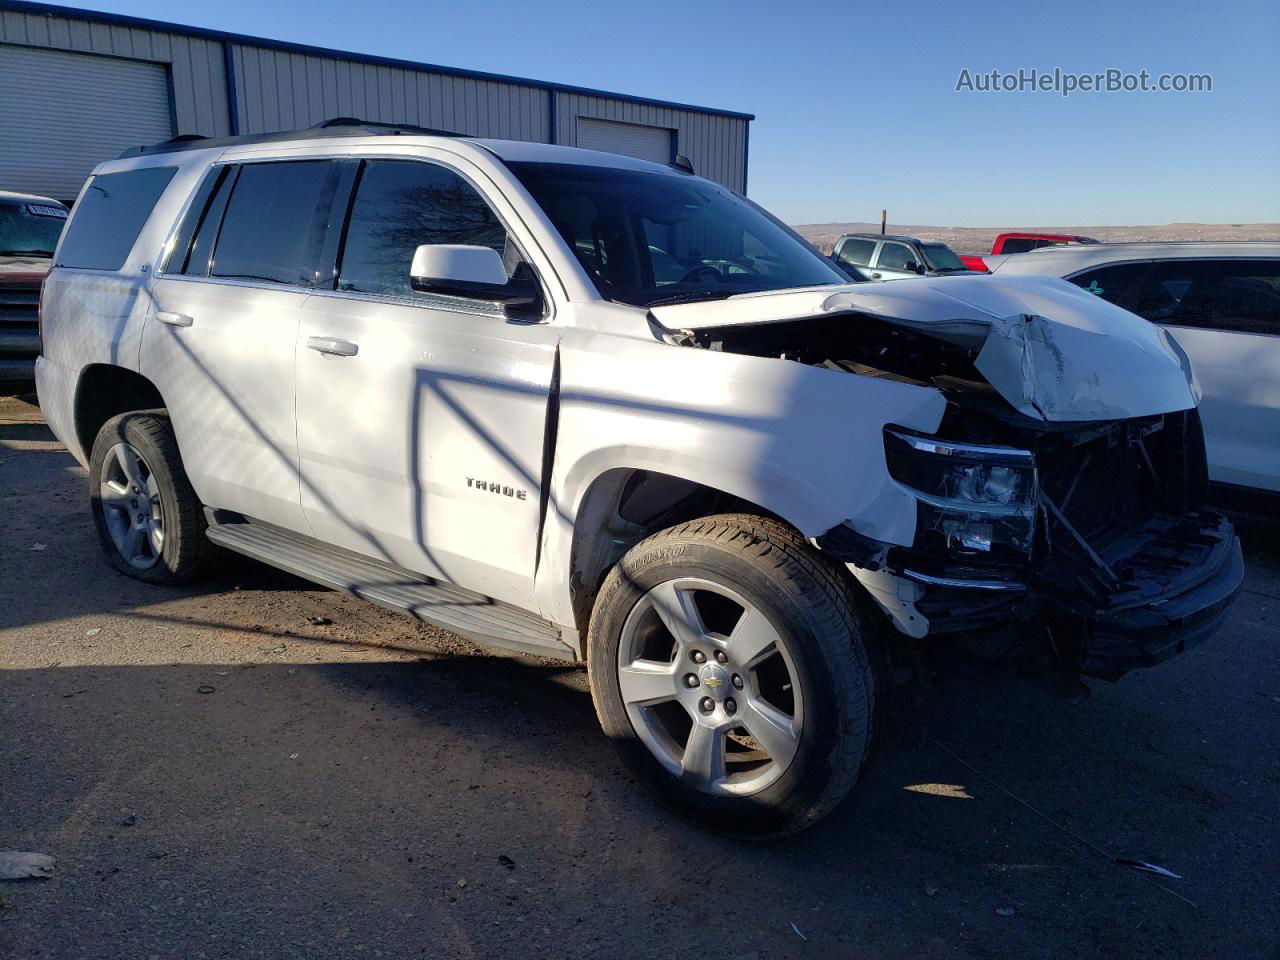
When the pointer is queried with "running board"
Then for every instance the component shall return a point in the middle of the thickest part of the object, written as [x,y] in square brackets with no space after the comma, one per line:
[479,618]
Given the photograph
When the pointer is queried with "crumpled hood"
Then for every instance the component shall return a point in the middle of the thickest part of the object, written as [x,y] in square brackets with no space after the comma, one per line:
[1052,350]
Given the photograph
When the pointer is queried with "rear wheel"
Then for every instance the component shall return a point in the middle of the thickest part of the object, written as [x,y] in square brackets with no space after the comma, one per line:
[729,663]
[149,520]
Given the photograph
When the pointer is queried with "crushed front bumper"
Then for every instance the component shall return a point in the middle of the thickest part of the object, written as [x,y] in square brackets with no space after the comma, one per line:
[1177,590]
[1168,585]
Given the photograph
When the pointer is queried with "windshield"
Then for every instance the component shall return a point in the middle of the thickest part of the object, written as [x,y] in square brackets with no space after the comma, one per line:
[648,238]
[30,229]
[941,258]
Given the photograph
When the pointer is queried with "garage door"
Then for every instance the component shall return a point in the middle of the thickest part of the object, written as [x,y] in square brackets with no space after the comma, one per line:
[628,139]
[64,113]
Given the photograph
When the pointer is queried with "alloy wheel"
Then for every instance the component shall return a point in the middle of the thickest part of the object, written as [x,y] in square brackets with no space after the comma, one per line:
[710,687]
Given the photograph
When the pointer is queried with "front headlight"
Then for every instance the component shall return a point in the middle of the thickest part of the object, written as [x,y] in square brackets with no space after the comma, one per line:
[976,497]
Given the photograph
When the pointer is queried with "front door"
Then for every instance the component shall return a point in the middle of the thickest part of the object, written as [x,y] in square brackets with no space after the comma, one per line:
[421,418]
[895,261]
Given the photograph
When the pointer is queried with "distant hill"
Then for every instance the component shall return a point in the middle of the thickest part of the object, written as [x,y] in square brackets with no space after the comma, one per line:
[979,239]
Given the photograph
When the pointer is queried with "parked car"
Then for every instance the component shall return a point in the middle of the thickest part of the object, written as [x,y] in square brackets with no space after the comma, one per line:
[1008,243]
[1221,303]
[891,257]
[443,374]
[29,230]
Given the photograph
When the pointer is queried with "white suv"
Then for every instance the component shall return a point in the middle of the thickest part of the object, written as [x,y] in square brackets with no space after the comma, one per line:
[594,408]
[1221,302]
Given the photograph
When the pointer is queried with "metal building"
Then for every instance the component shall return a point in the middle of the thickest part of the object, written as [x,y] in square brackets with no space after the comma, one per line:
[78,87]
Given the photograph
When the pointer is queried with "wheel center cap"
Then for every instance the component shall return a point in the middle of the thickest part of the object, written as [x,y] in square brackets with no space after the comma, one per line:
[715,680]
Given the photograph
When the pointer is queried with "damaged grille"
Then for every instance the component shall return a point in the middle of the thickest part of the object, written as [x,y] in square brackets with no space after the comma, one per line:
[1118,475]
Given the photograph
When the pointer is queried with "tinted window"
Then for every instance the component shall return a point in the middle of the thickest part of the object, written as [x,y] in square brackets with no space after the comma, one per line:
[856,251]
[274,223]
[401,204]
[647,237]
[181,257]
[941,257]
[896,256]
[1021,245]
[1118,284]
[1239,295]
[30,229]
[109,217]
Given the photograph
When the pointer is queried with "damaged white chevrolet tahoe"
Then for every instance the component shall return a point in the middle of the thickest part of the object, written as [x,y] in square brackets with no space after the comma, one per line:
[599,409]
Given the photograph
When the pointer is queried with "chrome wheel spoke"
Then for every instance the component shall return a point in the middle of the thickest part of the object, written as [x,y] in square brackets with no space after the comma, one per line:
[131,465]
[137,542]
[771,728]
[114,494]
[703,760]
[678,612]
[646,682]
[753,639]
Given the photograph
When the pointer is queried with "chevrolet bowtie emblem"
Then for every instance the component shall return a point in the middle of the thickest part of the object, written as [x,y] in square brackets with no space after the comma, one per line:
[713,682]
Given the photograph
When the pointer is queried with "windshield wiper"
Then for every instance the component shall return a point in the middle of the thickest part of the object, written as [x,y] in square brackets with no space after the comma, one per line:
[693,296]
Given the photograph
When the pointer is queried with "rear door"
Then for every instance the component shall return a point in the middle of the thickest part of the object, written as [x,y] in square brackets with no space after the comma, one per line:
[1226,315]
[220,341]
[422,417]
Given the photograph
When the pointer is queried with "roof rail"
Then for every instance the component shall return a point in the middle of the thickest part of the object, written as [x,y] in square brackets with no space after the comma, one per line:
[333,127]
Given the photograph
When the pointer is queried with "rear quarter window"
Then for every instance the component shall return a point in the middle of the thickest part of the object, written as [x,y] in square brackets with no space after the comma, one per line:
[109,216]
[856,251]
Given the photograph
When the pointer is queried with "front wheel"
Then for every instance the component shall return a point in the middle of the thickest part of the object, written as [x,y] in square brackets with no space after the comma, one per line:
[730,665]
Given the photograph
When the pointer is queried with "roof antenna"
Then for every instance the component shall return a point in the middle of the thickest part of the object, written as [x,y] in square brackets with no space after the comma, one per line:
[681,162]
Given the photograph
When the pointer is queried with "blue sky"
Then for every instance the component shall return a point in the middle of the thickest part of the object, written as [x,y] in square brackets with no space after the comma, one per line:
[856,104]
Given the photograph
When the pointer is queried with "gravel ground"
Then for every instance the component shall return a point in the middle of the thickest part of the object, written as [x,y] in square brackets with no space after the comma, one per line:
[257,768]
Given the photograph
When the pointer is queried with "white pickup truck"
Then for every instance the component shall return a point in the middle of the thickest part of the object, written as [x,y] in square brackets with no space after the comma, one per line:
[589,407]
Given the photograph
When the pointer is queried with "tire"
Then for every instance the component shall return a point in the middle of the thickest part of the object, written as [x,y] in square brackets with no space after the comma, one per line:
[821,731]
[135,472]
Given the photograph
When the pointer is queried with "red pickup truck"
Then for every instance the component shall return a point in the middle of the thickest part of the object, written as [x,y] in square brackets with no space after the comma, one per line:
[1020,243]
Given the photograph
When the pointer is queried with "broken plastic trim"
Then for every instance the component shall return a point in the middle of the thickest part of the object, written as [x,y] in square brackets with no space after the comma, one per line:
[961,583]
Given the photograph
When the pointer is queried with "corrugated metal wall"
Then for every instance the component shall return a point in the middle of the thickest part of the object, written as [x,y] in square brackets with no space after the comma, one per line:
[195,64]
[280,89]
[284,90]
[716,145]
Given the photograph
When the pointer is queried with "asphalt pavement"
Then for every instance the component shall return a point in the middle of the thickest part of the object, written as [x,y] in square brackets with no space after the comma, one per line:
[257,768]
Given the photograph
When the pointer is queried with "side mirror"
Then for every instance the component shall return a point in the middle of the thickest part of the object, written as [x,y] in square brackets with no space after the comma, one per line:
[476,273]
[919,268]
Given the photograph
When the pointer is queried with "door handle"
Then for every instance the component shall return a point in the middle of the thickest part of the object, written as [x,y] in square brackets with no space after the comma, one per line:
[333,346]
[174,319]
[876,275]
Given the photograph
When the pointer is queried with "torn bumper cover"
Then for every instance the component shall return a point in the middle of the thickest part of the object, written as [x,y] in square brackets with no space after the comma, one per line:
[1175,581]
[1177,590]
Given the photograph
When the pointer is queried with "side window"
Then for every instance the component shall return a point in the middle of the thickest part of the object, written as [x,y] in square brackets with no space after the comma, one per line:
[1020,245]
[1241,295]
[211,194]
[896,256]
[856,251]
[400,204]
[274,223]
[1248,296]
[1119,284]
[109,217]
